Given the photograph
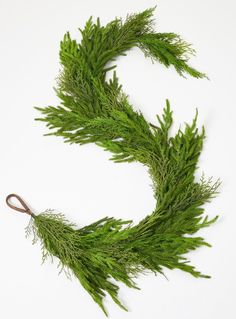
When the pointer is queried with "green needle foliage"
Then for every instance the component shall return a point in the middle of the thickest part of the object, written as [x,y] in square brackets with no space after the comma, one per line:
[95,110]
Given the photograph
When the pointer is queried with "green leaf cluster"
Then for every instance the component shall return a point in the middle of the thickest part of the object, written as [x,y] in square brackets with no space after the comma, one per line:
[96,110]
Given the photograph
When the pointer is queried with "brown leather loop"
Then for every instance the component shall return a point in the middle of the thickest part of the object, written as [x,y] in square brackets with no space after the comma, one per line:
[25,208]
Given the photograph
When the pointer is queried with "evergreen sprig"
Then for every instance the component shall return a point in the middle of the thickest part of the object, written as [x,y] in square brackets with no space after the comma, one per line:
[94,110]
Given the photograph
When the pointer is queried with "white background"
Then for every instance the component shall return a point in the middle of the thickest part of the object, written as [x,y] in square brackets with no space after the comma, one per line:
[84,184]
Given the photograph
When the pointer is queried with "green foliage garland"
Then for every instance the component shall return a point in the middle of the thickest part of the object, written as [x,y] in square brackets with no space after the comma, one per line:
[94,110]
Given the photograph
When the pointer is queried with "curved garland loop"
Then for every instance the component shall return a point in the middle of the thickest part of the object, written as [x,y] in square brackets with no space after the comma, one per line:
[94,110]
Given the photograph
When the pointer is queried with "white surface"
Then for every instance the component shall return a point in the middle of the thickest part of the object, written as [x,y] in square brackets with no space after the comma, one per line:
[82,183]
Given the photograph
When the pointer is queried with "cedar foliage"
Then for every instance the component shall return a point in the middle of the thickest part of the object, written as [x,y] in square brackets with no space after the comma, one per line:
[95,110]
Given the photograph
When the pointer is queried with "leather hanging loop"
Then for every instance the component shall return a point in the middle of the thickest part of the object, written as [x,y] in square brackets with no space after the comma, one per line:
[25,208]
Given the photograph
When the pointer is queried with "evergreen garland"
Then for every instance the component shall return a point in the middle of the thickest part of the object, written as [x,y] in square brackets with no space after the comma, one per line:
[94,110]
